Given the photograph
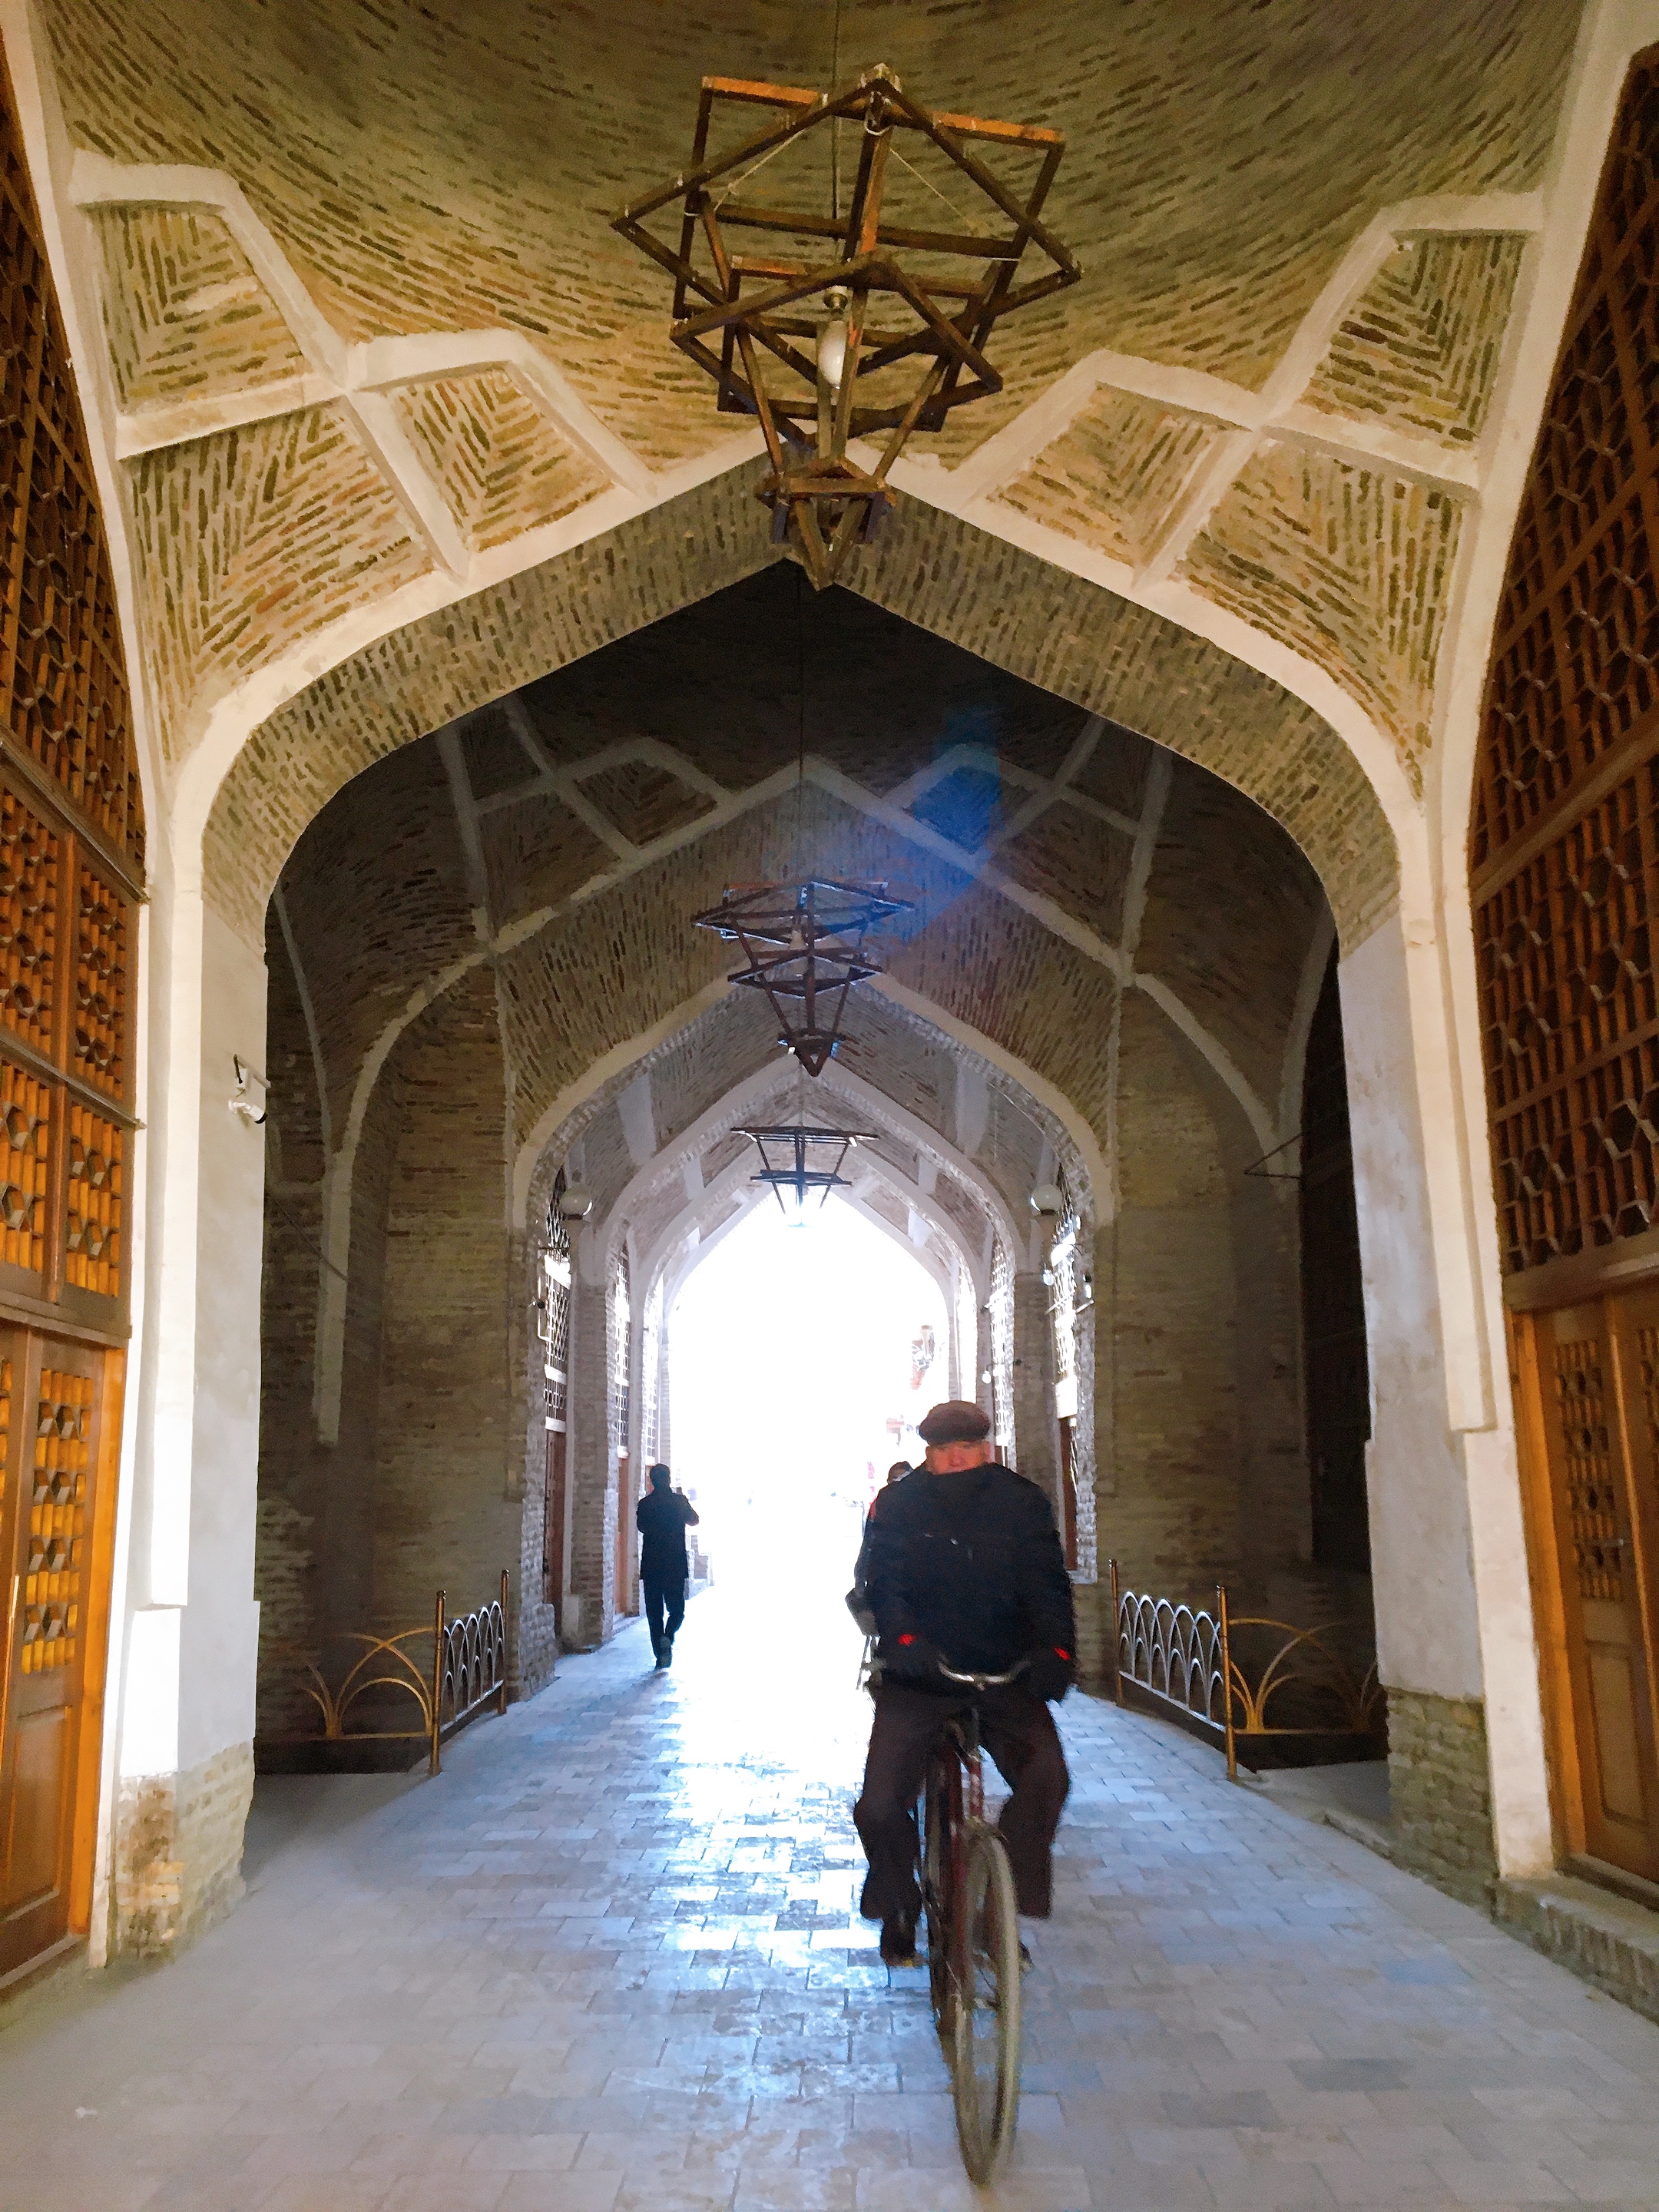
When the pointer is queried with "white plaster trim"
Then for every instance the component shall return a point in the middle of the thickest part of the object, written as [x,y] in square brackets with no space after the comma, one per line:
[674,1279]
[933,1148]
[593,1079]
[1159,775]
[637,1113]
[380,431]
[308,1010]
[335,1267]
[166,423]
[1007,455]
[565,784]
[1244,1092]
[466,829]
[685,1148]
[96,181]
[1375,750]
[1047,1095]
[737,1182]
[1314,962]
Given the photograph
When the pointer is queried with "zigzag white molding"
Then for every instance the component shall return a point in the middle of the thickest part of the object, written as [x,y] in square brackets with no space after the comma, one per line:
[355,375]
[691,1142]
[1196,392]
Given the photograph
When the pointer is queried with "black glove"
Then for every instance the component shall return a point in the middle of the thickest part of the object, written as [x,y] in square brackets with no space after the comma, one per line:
[907,1658]
[1052,1671]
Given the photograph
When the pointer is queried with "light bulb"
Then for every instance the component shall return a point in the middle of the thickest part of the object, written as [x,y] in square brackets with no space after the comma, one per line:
[832,339]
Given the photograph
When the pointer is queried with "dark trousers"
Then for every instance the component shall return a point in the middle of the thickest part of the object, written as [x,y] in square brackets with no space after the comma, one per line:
[660,1592]
[1018,1731]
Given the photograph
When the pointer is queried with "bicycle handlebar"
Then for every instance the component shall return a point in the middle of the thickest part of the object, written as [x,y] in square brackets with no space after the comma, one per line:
[985,1681]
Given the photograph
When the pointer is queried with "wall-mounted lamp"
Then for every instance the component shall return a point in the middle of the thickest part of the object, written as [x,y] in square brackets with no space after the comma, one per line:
[1048,1197]
[575,1201]
[248,1098]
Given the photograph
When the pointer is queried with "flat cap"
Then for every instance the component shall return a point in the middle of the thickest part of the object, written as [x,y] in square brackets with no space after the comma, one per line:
[956,1421]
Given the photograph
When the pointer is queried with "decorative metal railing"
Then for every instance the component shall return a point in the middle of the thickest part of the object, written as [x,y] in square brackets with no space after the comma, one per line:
[1185,1662]
[468,1671]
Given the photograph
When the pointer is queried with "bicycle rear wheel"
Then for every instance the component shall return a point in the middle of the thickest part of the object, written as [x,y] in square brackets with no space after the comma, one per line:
[941,1826]
[984,1957]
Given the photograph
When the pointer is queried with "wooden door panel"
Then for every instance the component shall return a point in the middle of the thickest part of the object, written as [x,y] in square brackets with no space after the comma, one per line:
[34,1811]
[53,1438]
[1613,1698]
[1594,1439]
[71,867]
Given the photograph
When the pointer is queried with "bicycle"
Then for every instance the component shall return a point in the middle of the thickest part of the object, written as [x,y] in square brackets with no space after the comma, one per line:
[973,1937]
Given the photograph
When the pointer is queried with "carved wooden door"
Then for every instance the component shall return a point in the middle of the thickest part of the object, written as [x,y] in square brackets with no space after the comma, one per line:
[71,868]
[50,1393]
[1597,1370]
[1564,856]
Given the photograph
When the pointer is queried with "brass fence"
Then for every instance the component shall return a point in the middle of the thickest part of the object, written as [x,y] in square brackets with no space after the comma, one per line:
[468,1672]
[1183,1661]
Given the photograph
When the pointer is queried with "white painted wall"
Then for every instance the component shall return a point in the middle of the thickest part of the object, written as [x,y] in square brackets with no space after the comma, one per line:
[1427,1637]
[220,1641]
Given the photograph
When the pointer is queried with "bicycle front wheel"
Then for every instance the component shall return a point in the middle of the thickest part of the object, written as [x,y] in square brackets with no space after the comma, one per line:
[985,2059]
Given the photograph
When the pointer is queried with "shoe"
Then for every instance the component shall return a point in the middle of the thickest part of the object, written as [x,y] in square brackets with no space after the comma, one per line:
[898,1942]
[665,1658]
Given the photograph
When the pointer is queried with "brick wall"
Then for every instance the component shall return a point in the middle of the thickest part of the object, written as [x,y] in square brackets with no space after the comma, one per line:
[177,1852]
[442,1515]
[1440,1791]
[1168,1425]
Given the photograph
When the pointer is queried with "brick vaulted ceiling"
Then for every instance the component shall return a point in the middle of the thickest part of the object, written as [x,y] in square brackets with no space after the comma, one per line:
[562,836]
[453,167]
[371,345]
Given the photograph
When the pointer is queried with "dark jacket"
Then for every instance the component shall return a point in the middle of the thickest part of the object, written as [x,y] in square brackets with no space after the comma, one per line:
[973,1562]
[662,1517]
[858,1598]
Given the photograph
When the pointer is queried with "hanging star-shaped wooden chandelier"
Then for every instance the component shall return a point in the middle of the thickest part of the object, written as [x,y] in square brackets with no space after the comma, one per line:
[783,1147]
[804,947]
[872,319]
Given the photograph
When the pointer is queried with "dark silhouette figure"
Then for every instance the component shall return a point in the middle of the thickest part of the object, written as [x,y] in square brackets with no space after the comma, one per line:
[663,1515]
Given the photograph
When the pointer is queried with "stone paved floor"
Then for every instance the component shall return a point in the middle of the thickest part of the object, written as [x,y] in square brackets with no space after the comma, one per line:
[608,1961]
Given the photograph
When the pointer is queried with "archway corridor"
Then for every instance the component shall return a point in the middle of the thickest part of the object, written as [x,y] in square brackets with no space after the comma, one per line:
[1248,707]
[1088,1097]
[610,1960]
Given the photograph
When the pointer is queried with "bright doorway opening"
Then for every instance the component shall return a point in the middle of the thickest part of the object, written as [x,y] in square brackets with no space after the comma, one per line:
[802,1357]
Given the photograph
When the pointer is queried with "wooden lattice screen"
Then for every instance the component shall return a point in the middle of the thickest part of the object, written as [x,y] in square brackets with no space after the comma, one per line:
[71,865]
[1564,846]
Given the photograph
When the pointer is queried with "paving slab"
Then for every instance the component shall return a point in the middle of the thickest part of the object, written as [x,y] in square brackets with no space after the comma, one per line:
[611,1959]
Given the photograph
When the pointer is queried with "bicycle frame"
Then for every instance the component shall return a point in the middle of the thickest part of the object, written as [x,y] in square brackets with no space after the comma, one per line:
[968,1891]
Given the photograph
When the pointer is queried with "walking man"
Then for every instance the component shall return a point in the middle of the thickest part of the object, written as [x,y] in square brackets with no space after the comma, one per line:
[663,1515]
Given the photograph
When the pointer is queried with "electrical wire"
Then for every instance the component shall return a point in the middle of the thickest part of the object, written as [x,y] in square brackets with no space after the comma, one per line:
[834,120]
[801,722]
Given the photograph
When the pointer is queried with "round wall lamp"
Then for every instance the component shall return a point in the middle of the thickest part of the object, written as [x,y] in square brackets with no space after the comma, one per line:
[575,1201]
[1048,1197]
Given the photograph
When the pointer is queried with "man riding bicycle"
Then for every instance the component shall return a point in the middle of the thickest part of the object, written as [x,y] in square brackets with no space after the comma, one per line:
[963,1568]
